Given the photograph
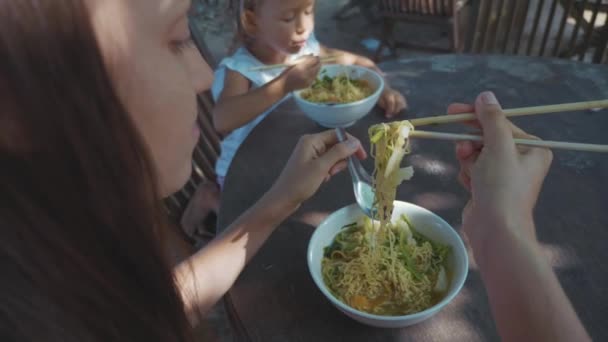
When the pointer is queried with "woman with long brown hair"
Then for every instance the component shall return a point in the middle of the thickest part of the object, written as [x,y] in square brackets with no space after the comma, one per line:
[97,124]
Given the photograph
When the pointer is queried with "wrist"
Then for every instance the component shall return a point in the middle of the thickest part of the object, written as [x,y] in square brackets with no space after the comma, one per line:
[278,203]
[502,236]
[283,85]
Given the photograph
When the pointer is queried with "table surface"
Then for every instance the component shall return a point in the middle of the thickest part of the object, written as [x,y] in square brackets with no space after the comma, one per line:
[275,298]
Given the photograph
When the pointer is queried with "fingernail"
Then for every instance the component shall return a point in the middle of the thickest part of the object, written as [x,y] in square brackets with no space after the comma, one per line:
[489,98]
[352,144]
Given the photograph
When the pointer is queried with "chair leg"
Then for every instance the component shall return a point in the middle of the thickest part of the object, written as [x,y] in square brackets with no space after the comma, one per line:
[203,204]
[386,40]
[378,53]
[367,10]
[455,37]
[601,45]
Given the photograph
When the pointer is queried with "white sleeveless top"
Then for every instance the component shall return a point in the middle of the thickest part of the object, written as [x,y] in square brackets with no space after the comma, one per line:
[241,61]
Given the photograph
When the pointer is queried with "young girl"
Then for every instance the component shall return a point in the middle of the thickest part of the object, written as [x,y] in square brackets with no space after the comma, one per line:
[272,32]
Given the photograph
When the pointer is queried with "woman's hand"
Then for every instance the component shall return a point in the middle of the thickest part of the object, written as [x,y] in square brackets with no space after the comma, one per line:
[314,160]
[526,298]
[504,179]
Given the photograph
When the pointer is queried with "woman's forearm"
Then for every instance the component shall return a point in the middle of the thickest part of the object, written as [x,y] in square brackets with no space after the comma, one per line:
[527,301]
[206,276]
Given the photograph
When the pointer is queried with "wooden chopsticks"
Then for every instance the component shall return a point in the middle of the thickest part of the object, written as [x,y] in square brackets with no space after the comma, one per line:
[565,107]
[327,59]
[524,142]
[442,119]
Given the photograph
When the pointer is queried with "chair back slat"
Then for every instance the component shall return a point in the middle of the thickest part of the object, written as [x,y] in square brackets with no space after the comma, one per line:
[548,27]
[431,12]
[439,8]
[518,24]
[483,15]
[491,31]
[506,26]
[545,28]
[537,16]
[579,16]
[601,44]
[589,31]
[560,34]
[205,120]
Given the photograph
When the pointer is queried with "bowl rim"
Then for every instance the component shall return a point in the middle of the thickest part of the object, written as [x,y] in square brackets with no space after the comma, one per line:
[460,280]
[376,93]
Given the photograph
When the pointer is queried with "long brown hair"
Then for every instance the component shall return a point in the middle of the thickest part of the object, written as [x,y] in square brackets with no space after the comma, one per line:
[80,253]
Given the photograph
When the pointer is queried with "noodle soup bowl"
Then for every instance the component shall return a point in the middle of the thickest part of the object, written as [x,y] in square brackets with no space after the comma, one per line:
[337,115]
[425,222]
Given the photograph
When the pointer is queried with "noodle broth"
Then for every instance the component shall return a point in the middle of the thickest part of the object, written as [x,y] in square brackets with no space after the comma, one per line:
[391,272]
[340,89]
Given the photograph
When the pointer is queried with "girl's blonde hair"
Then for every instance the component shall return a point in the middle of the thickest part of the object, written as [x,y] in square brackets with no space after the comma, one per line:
[241,37]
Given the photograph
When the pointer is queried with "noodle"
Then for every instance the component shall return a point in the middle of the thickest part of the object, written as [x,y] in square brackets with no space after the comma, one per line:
[339,89]
[381,267]
[396,276]
[389,146]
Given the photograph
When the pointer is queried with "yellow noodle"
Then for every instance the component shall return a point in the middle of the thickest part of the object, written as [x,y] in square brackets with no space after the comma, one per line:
[339,89]
[385,268]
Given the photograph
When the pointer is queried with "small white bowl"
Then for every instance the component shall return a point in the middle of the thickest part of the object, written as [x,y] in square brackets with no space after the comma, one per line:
[425,222]
[346,114]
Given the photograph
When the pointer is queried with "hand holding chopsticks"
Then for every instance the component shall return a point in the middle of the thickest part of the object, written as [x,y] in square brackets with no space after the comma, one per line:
[442,119]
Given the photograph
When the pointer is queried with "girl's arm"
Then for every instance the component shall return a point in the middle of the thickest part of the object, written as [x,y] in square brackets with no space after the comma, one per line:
[238,104]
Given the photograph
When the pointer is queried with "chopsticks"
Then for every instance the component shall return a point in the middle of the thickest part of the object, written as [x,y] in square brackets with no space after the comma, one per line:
[326,59]
[565,107]
[524,142]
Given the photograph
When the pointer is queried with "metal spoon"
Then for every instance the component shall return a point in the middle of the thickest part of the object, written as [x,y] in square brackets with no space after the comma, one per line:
[362,181]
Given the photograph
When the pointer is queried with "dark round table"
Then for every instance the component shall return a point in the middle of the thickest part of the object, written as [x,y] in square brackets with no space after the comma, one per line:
[275,298]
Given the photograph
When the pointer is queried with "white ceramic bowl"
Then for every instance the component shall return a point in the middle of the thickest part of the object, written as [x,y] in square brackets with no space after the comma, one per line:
[343,115]
[427,223]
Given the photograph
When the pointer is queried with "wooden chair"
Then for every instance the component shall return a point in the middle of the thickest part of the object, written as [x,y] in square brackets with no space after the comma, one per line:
[443,13]
[546,28]
[205,156]
[365,8]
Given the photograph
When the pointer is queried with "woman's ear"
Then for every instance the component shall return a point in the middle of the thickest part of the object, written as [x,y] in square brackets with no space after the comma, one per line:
[249,23]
